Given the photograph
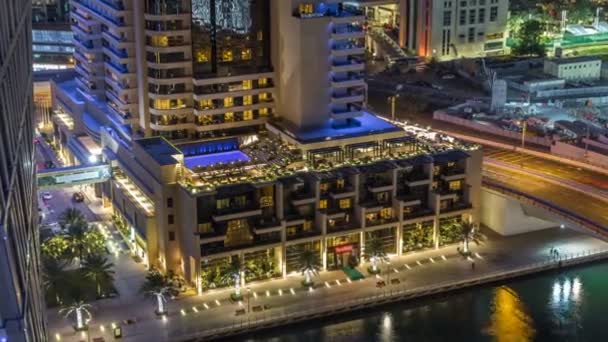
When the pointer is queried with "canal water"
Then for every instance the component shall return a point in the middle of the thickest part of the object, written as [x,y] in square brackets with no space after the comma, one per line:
[571,305]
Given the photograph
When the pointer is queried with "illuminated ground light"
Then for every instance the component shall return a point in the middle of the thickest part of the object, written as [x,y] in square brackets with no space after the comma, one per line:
[217,302]
[194,309]
[418,262]
[183,312]
[267,293]
[443,257]
[348,280]
[292,291]
[408,267]
[310,289]
[327,285]
[338,282]
[432,260]
[280,292]
[57,337]
[206,306]
[255,295]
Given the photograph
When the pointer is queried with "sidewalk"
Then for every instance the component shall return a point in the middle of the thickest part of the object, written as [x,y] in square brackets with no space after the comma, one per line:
[213,309]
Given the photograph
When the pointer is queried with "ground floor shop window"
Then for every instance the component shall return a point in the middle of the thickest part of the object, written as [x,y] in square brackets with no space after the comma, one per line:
[418,236]
[449,230]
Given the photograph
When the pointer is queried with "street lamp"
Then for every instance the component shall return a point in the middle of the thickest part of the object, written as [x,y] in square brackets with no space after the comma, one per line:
[248,296]
[392,99]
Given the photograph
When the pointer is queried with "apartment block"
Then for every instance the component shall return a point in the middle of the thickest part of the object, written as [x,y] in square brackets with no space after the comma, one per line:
[448,29]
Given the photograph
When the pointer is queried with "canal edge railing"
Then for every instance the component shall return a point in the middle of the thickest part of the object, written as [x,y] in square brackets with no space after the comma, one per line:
[247,325]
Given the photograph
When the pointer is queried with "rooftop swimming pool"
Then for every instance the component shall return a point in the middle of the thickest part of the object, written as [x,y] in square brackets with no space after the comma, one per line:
[215,158]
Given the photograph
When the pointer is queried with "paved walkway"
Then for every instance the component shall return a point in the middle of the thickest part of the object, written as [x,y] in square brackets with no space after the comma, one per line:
[213,309]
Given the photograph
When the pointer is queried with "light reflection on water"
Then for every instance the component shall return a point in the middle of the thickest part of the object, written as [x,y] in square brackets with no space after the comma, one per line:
[567,306]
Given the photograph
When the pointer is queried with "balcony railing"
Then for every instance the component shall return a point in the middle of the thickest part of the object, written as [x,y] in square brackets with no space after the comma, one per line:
[418,213]
[456,207]
[379,221]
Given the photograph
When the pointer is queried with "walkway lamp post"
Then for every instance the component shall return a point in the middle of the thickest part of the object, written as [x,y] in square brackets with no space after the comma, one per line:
[248,297]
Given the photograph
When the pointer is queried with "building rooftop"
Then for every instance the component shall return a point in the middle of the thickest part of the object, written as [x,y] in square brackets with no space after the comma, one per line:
[267,158]
[160,150]
[574,59]
[366,124]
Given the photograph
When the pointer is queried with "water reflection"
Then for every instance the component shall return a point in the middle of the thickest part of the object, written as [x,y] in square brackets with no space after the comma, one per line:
[509,319]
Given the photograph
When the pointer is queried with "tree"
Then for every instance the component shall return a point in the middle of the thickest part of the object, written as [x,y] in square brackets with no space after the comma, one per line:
[468,232]
[98,269]
[234,272]
[374,252]
[57,248]
[77,306]
[529,39]
[309,266]
[54,277]
[84,241]
[158,286]
[71,217]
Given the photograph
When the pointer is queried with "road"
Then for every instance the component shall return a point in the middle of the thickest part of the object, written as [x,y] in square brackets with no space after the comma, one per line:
[550,167]
[575,201]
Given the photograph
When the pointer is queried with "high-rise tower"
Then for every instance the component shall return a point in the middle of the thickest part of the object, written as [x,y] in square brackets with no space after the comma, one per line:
[21,295]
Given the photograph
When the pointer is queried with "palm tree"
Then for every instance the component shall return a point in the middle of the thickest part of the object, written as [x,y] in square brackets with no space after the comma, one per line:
[374,252]
[97,268]
[234,272]
[54,277]
[468,232]
[70,217]
[158,286]
[309,266]
[76,237]
[77,306]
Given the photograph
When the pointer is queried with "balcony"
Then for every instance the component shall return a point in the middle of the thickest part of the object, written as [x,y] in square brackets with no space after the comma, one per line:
[348,32]
[264,225]
[454,207]
[379,184]
[303,197]
[85,44]
[348,81]
[352,15]
[420,212]
[234,212]
[119,55]
[346,66]
[342,114]
[347,50]
[85,33]
[453,174]
[106,19]
[341,225]
[349,97]
[409,199]
[417,178]
[379,221]
[344,192]
[120,42]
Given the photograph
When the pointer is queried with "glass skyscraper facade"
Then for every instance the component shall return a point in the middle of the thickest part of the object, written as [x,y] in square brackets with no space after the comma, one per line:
[230,37]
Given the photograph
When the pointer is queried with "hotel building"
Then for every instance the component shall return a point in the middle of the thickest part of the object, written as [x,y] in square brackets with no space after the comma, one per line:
[249,138]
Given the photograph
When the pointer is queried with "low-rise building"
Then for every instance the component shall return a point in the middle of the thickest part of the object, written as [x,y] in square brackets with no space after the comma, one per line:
[577,68]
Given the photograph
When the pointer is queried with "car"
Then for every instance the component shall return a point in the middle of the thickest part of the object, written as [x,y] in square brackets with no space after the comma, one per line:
[380,283]
[436,87]
[47,196]
[448,77]
[78,197]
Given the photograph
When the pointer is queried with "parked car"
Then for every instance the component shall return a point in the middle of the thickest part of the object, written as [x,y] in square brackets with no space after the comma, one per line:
[448,77]
[78,197]
[47,196]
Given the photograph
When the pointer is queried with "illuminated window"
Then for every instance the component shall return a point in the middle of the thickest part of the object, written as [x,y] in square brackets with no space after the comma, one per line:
[204,120]
[262,82]
[227,55]
[407,210]
[202,55]
[455,185]
[323,204]
[159,41]
[307,226]
[247,84]
[263,96]
[436,170]
[205,104]
[434,186]
[263,111]
[248,115]
[344,203]
[223,203]
[228,102]
[371,216]
[246,54]
[386,213]
[229,117]
[168,103]
[340,183]
[324,187]
[291,231]
[247,100]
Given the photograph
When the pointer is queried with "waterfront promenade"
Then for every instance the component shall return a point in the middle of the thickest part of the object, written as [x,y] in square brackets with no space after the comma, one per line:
[195,316]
